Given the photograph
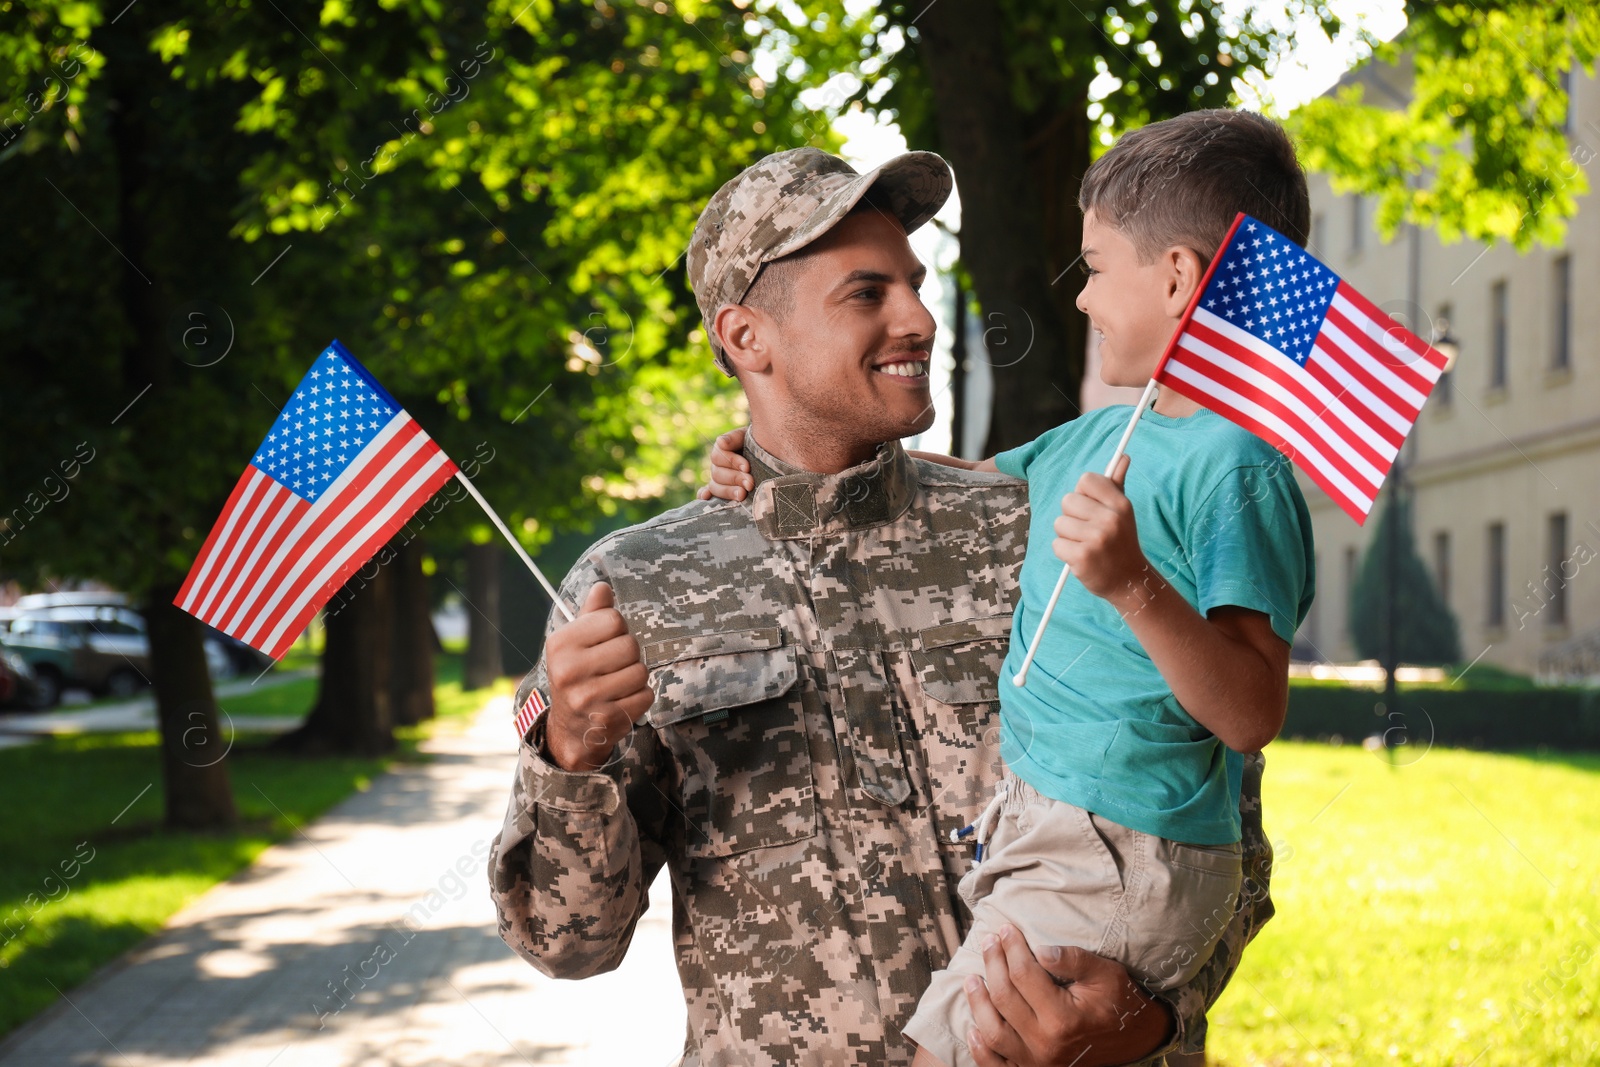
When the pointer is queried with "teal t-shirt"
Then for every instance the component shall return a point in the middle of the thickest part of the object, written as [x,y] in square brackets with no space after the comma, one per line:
[1220,516]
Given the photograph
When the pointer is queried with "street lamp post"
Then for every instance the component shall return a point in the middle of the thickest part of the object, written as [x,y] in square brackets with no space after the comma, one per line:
[1438,336]
[1445,343]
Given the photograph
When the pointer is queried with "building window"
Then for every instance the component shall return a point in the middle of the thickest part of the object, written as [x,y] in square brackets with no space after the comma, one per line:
[1358,222]
[1350,559]
[1444,389]
[1441,565]
[1499,338]
[1496,592]
[1312,625]
[1556,579]
[1565,81]
[1561,313]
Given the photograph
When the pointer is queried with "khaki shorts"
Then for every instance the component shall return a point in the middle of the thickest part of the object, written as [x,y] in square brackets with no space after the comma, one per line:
[1063,876]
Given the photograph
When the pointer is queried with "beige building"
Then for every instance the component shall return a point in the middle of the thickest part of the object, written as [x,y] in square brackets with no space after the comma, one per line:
[1505,461]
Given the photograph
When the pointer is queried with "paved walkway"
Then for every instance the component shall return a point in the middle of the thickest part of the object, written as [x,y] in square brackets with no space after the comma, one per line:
[243,977]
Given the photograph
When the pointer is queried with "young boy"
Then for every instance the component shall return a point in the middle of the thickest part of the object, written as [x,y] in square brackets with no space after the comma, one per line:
[1116,828]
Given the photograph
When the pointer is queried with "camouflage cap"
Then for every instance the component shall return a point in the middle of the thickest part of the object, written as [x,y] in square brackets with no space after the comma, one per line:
[784,202]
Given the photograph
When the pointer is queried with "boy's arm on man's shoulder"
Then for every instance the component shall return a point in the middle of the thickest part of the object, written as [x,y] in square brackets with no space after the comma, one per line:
[985,465]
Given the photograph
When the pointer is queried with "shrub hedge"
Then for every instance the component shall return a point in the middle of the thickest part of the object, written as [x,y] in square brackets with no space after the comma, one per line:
[1505,720]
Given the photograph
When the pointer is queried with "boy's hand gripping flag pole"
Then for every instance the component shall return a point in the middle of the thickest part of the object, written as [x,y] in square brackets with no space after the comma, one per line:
[1280,345]
[342,470]
[1021,677]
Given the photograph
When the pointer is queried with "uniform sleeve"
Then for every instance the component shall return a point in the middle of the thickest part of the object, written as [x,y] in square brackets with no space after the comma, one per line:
[1250,545]
[570,869]
[1252,910]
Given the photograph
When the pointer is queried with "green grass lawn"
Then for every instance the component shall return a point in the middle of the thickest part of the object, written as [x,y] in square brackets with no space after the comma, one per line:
[1441,912]
[87,871]
[285,699]
[1445,912]
[295,697]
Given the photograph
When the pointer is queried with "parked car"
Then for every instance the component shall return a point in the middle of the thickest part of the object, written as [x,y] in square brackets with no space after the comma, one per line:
[102,648]
[19,687]
[74,599]
[243,658]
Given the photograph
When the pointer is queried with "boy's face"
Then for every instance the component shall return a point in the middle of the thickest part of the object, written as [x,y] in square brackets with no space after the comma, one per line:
[1133,306]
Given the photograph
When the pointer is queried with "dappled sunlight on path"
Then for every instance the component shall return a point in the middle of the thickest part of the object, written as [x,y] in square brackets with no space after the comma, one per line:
[368,939]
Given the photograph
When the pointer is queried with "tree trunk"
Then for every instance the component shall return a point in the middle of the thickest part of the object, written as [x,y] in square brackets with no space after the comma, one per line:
[483,665]
[1058,156]
[958,373]
[411,674]
[352,715]
[193,749]
[1035,378]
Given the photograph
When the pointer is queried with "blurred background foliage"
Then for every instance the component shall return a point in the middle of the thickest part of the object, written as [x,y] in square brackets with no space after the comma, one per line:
[488,203]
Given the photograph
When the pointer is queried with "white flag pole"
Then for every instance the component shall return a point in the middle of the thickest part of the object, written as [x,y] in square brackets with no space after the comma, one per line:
[516,545]
[1139,409]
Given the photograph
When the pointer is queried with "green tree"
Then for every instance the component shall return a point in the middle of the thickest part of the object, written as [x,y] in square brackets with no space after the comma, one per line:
[1020,98]
[487,203]
[1484,146]
[1426,628]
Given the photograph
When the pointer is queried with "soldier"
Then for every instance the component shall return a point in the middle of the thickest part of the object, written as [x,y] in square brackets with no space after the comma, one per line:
[790,701]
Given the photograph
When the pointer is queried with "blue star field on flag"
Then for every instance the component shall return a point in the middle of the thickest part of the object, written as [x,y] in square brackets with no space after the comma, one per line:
[1271,288]
[335,411]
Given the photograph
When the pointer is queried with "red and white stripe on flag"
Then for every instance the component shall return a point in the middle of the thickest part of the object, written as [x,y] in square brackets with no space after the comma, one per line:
[530,711]
[1282,346]
[343,469]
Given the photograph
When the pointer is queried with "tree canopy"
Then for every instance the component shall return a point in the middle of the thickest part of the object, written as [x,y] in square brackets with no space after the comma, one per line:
[486,203]
[1481,142]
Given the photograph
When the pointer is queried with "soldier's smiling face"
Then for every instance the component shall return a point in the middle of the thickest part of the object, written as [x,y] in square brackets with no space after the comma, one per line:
[851,355]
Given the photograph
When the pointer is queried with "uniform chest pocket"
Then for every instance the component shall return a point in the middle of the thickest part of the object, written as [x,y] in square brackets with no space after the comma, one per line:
[728,707]
[960,662]
[958,665]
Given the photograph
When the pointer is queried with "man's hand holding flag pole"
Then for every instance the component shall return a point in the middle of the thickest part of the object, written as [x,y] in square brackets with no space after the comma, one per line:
[1279,344]
[342,469]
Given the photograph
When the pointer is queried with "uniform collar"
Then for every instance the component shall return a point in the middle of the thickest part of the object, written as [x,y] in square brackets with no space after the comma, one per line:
[789,502]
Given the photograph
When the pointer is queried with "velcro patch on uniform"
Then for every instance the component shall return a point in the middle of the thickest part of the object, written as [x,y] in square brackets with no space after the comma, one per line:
[530,711]
[796,506]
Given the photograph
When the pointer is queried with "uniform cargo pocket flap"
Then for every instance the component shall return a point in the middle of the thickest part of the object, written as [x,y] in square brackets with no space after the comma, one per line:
[699,685]
[958,633]
[959,662]
[660,653]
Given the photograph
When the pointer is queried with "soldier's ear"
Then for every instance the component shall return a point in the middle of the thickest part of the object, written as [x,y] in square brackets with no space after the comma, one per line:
[743,332]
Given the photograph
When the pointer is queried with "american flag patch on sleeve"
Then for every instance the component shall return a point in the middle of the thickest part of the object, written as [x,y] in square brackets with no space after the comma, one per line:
[529,712]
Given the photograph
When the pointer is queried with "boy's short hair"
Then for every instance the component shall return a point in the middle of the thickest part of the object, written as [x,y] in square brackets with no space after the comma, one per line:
[1182,181]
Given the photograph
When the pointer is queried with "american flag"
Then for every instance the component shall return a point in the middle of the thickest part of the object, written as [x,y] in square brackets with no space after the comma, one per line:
[1281,345]
[530,711]
[340,472]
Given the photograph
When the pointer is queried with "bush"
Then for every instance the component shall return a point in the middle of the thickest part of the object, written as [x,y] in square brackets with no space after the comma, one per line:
[1503,719]
[1428,631]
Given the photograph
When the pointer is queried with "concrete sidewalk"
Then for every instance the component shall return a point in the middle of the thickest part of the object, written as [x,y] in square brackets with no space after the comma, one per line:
[369,899]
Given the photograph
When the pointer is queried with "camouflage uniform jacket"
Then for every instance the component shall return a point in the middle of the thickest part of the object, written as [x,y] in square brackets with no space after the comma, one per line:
[825,659]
